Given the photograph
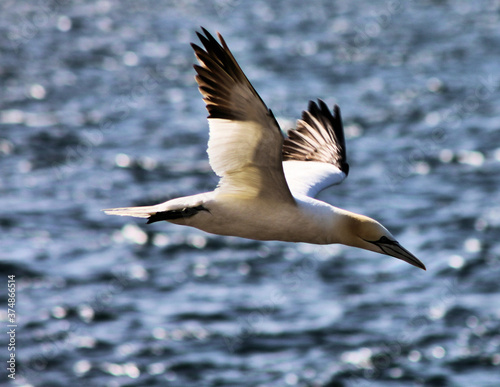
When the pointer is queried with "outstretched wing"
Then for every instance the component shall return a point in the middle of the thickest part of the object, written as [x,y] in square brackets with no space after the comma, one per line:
[314,155]
[245,141]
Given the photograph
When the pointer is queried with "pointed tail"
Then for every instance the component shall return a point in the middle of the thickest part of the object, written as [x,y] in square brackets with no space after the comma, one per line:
[137,212]
[171,210]
[159,212]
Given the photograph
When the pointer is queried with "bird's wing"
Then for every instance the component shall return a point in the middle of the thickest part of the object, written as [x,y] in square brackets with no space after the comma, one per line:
[245,142]
[314,155]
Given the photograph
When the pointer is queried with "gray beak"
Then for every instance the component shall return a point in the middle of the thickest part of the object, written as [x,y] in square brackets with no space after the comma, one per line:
[394,249]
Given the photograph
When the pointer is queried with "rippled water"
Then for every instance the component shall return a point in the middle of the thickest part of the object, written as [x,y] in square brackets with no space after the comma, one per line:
[100,109]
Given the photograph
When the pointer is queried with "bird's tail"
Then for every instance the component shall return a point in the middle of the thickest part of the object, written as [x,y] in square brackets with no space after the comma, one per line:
[175,210]
[137,212]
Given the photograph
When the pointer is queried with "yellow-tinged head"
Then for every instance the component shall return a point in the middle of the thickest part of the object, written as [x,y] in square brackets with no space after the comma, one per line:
[366,233]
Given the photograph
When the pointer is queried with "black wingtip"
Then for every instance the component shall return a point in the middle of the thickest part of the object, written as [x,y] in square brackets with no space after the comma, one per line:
[338,116]
[338,128]
[323,107]
[318,122]
[205,31]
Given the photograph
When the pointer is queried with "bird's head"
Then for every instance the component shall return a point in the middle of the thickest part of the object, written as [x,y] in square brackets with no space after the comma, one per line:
[369,234]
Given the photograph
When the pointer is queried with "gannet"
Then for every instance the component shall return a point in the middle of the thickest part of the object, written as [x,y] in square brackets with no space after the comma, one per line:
[268,183]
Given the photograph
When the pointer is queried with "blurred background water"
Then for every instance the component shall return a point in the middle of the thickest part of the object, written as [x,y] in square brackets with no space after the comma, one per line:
[99,109]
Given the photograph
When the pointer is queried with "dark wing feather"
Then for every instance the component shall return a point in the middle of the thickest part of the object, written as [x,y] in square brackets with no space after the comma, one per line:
[319,136]
[226,90]
[245,142]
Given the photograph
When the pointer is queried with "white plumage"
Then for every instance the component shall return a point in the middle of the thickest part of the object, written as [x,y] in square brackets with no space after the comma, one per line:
[267,183]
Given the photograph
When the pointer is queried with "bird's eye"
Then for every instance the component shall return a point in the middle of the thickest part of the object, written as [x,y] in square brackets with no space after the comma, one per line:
[384,239]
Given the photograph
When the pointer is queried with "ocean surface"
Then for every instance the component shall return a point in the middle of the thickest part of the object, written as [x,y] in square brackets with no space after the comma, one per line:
[99,109]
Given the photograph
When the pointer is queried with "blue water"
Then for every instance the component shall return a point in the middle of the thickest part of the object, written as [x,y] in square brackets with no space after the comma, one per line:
[99,109]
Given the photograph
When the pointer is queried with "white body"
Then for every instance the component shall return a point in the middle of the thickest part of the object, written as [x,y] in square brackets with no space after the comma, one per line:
[308,220]
[259,195]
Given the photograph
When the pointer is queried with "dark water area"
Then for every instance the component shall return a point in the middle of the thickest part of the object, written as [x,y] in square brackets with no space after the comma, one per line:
[99,109]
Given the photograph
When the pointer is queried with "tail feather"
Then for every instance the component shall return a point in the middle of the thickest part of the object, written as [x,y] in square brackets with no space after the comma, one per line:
[137,212]
[179,208]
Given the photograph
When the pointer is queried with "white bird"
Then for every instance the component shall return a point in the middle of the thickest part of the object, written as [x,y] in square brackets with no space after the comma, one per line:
[268,183]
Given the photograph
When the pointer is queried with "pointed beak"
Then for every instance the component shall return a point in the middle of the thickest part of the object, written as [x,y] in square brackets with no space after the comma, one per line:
[394,249]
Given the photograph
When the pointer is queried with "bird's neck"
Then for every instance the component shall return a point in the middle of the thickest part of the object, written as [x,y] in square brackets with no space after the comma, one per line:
[323,223]
[347,229]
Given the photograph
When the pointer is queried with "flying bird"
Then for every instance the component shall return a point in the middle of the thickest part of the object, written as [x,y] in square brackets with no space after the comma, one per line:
[268,183]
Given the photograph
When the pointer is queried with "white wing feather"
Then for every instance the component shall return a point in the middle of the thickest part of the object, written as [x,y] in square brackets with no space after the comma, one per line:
[314,152]
[310,177]
[245,140]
